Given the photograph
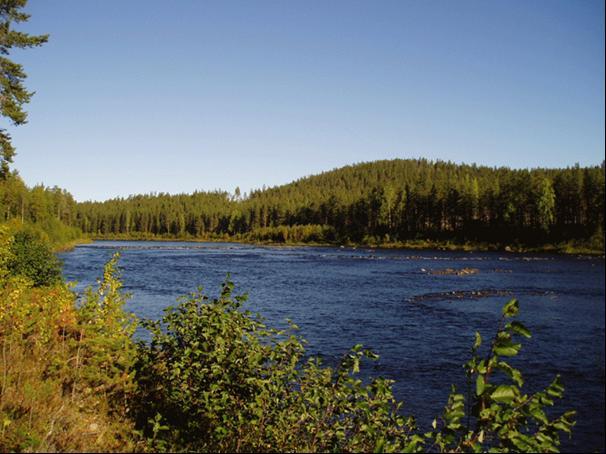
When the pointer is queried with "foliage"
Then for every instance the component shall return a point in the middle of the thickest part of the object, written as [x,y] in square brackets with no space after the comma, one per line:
[106,333]
[215,378]
[52,209]
[6,252]
[64,370]
[13,93]
[45,212]
[499,416]
[33,258]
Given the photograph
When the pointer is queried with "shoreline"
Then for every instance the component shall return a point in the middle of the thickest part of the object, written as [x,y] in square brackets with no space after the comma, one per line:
[565,249]
[71,245]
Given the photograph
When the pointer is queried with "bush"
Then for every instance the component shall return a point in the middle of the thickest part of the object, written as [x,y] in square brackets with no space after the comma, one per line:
[33,258]
[497,415]
[215,378]
[66,369]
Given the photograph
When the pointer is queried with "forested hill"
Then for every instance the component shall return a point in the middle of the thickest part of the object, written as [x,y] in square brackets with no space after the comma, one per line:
[49,213]
[374,203]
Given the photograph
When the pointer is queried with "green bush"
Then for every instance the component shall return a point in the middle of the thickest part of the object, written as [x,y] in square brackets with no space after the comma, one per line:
[33,258]
[215,378]
[497,415]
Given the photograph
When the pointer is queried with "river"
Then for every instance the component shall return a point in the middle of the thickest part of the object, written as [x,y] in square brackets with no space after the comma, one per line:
[417,309]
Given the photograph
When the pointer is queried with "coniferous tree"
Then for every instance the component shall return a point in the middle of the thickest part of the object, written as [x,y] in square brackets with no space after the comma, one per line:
[13,93]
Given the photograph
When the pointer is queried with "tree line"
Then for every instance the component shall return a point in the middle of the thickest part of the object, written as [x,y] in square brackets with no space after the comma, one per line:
[48,212]
[377,202]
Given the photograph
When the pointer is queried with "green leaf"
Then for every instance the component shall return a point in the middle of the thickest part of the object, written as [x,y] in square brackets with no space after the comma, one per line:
[508,349]
[480,385]
[520,329]
[554,393]
[562,426]
[546,400]
[504,394]
[511,308]
[482,367]
[478,341]
[514,374]
[539,415]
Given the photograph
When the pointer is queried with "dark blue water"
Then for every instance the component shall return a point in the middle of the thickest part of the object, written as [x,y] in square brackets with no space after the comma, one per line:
[421,324]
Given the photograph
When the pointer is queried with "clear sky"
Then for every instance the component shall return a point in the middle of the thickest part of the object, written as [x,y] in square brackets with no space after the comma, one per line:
[174,96]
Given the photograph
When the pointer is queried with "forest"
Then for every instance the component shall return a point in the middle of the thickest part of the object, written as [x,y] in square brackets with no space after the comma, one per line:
[379,203]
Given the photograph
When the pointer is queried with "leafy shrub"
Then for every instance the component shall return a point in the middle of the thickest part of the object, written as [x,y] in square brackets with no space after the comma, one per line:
[215,378]
[499,416]
[33,258]
[65,371]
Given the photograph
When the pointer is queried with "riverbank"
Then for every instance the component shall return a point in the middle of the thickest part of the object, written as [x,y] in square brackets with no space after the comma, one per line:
[589,248]
[70,245]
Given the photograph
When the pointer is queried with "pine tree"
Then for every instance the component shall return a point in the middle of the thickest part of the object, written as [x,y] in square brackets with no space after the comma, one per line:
[13,93]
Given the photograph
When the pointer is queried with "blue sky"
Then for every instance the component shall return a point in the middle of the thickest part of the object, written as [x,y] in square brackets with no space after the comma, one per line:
[140,96]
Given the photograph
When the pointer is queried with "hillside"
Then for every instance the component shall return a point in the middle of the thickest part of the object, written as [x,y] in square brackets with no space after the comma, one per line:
[378,202]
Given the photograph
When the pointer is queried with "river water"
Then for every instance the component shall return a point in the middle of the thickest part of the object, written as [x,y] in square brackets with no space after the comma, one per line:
[407,306]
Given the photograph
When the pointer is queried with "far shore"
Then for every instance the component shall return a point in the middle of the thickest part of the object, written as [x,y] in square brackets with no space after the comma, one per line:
[421,245]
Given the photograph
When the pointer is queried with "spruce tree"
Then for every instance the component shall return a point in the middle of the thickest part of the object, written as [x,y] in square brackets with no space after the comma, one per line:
[13,93]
